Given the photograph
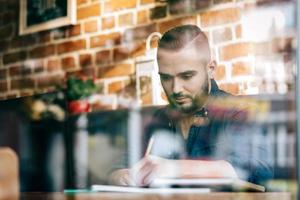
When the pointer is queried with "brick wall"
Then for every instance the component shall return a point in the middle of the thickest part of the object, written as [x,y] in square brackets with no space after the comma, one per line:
[110,34]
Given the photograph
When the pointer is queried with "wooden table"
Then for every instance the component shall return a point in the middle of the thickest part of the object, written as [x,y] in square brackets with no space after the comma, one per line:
[131,196]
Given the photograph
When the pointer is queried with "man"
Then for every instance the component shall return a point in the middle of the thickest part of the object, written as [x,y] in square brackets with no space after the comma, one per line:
[186,70]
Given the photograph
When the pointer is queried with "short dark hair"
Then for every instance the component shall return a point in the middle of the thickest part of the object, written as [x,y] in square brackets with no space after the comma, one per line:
[179,37]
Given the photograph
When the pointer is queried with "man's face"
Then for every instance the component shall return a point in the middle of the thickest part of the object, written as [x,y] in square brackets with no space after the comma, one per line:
[184,78]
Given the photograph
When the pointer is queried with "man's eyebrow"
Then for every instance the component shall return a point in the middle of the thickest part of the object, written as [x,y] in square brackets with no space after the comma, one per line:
[163,74]
[189,72]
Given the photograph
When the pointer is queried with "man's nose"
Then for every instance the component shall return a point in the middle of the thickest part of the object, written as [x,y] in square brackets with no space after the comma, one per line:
[177,86]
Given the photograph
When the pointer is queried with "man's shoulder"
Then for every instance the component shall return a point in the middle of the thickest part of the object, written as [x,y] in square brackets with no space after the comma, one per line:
[163,114]
[229,108]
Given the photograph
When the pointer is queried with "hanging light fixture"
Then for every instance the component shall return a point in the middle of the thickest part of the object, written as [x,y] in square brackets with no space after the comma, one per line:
[147,78]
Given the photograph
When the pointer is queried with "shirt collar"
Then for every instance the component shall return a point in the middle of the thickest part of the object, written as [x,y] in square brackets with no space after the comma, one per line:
[214,88]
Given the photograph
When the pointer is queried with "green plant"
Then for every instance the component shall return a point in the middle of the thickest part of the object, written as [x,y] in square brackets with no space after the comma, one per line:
[79,89]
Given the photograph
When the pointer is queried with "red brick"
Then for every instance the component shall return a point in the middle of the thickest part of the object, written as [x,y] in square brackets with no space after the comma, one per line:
[3,86]
[139,49]
[187,6]
[103,57]
[232,88]
[222,35]
[38,69]
[115,71]
[22,41]
[70,46]
[128,51]
[241,68]
[263,48]
[220,73]
[147,1]
[202,4]
[68,63]
[38,66]
[23,83]
[142,17]
[121,54]
[218,17]
[238,31]
[44,37]
[91,26]
[59,33]
[106,40]
[115,87]
[158,12]
[50,81]
[108,22]
[126,19]
[43,51]
[231,51]
[89,11]
[115,5]
[80,2]
[53,65]
[85,60]
[74,30]
[88,72]
[139,33]
[164,26]
[14,57]
[19,70]
[6,32]
[3,74]
[222,1]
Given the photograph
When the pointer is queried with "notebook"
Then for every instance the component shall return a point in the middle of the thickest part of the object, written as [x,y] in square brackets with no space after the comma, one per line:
[170,185]
[231,184]
[127,189]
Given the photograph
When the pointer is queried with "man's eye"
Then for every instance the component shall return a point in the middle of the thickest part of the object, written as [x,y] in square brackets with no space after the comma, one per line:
[165,78]
[187,76]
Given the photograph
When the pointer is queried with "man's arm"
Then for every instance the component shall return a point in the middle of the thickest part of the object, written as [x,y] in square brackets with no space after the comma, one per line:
[151,167]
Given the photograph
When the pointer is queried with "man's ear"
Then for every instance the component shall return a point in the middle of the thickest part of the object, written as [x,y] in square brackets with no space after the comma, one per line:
[211,68]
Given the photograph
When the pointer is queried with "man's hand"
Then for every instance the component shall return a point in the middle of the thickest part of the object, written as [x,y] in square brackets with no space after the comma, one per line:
[143,172]
[121,177]
[151,167]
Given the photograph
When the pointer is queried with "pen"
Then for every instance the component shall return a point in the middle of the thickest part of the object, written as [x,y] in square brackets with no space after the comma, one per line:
[149,147]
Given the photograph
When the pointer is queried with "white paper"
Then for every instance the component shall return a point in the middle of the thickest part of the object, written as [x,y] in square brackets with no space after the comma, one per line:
[108,188]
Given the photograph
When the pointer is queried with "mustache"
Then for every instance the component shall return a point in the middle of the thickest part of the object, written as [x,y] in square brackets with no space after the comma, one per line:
[179,95]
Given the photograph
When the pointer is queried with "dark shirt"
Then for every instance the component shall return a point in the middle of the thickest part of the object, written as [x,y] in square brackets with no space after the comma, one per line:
[227,136]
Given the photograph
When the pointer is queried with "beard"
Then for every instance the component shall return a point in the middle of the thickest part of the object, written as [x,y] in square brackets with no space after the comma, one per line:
[192,103]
